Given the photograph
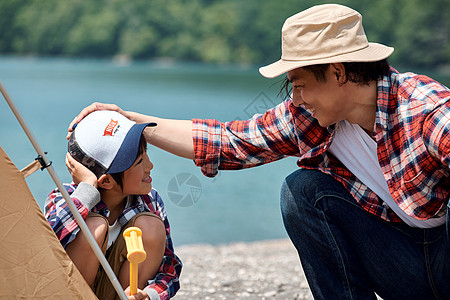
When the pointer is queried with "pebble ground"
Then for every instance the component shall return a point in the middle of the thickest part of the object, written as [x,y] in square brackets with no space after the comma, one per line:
[257,270]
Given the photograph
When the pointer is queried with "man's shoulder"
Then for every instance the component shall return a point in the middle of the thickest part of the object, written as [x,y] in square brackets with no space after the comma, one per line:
[411,80]
[417,89]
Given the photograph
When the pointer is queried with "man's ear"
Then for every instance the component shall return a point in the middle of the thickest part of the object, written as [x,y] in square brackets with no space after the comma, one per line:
[106,182]
[339,71]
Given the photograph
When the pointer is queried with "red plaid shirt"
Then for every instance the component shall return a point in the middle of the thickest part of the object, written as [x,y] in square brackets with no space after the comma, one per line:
[411,129]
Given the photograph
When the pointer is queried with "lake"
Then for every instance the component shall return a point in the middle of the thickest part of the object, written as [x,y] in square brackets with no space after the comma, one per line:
[233,206]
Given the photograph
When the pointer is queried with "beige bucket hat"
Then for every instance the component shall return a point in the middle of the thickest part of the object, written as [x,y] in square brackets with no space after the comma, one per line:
[322,34]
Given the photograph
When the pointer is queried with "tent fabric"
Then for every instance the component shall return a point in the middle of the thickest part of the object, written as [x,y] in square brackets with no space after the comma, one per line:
[33,264]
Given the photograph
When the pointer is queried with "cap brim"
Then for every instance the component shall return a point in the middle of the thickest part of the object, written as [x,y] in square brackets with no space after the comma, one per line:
[374,52]
[128,151]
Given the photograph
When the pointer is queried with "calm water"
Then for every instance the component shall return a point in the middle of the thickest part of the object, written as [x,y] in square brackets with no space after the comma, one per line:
[234,206]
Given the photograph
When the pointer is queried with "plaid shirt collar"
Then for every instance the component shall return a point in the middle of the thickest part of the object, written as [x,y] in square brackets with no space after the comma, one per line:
[386,93]
[137,206]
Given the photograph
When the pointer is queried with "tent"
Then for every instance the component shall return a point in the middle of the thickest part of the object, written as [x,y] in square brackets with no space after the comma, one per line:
[33,264]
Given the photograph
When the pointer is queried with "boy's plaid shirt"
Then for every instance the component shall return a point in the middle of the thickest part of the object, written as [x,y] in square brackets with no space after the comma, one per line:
[60,218]
[411,129]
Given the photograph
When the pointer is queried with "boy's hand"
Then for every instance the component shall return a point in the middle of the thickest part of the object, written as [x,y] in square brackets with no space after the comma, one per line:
[79,172]
[140,295]
[91,108]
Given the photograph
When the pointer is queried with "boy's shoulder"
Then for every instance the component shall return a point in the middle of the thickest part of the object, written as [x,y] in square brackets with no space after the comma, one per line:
[69,187]
[154,199]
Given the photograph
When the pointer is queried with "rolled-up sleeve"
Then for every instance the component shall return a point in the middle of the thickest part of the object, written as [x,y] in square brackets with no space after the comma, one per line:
[243,144]
[207,144]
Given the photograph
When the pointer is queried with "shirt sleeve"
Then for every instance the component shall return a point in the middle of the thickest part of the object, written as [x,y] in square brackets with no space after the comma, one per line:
[58,214]
[436,130]
[242,144]
[166,282]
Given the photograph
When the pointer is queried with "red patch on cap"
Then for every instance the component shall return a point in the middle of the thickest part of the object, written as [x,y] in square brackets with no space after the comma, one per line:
[110,128]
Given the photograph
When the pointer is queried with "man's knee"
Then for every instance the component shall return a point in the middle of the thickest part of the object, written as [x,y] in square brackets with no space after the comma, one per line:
[292,195]
[299,185]
[309,182]
[301,191]
[309,185]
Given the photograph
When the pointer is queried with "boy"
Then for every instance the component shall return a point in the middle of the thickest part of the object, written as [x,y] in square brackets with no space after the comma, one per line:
[112,189]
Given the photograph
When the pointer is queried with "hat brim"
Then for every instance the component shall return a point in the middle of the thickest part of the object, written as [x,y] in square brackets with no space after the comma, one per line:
[128,151]
[374,52]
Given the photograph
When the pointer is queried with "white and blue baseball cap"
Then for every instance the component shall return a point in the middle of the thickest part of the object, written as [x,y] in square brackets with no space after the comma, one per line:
[106,142]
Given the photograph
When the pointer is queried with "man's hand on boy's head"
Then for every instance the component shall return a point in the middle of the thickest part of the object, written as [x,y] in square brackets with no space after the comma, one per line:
[79,172]
[91,108]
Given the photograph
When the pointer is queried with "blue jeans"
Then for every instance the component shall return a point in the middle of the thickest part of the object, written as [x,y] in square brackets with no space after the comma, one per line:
[348,253]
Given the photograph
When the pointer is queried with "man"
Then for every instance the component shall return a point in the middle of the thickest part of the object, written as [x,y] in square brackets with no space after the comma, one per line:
[367,209]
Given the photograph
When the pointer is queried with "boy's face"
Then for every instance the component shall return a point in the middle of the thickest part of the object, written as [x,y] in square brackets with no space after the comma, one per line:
[137,180]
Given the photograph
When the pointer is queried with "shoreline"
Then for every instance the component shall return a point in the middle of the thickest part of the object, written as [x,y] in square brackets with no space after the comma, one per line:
[268,269]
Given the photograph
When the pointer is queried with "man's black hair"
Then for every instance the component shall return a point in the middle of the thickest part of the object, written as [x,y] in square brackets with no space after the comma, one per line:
[358,72]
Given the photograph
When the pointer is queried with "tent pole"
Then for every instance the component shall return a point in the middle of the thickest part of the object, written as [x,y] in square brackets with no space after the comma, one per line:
[47,164]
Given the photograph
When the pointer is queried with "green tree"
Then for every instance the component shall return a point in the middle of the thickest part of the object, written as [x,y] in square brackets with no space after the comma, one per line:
[213,31]
[43,26]
[8,29]
[422,37]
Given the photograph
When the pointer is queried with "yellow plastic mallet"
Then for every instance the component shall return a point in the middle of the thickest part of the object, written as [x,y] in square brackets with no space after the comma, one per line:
[136,254]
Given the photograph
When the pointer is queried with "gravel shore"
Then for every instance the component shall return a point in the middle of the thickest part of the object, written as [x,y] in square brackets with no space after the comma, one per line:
[257,270]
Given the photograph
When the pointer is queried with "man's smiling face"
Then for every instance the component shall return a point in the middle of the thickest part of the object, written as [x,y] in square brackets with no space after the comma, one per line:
[323,99]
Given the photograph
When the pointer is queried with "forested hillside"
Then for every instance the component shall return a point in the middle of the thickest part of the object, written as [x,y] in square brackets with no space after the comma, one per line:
[213,31]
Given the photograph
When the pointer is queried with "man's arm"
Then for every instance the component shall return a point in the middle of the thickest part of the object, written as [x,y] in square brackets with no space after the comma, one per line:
[174,136]
[262,139]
